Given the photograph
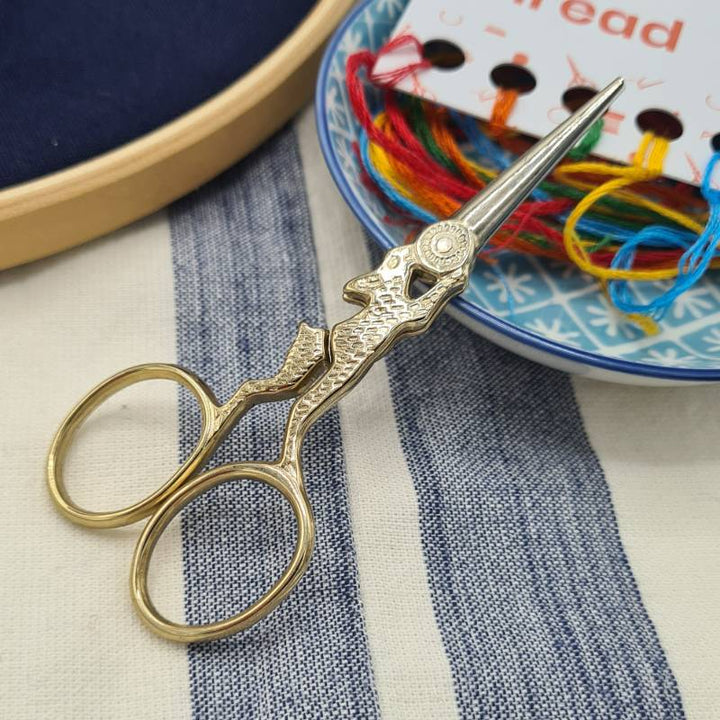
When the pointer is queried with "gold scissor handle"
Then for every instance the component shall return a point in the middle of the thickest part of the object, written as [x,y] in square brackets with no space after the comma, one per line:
[288,481]
[306,357]
[97,396]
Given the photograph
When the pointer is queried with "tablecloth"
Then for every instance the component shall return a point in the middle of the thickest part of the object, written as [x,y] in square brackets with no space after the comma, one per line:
[495,539]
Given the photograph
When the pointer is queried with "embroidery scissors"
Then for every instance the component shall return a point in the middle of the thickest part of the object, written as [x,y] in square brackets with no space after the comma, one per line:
[319,369]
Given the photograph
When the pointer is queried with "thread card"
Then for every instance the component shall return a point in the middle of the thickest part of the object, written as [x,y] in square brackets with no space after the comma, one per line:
[666,51]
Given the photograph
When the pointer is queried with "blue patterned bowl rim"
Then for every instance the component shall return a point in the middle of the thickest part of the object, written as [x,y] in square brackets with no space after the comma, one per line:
[381,236]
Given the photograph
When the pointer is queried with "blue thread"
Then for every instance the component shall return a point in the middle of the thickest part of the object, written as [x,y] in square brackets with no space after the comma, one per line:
[699,252]
[387,188]
[499,159]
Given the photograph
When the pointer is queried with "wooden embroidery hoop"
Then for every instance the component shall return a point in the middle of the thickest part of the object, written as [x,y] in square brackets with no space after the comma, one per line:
[55,212]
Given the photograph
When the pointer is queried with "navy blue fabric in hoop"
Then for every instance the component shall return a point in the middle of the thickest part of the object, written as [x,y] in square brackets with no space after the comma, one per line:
[245,273]
[81,77]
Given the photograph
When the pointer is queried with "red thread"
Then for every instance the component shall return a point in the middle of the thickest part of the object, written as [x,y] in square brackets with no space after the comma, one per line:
[393,77]
[434,173]
[404,147]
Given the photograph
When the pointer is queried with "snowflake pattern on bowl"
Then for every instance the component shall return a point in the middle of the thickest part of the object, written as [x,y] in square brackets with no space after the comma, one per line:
[532,297]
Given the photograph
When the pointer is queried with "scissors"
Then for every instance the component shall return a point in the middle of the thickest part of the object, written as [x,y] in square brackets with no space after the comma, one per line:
[319,369]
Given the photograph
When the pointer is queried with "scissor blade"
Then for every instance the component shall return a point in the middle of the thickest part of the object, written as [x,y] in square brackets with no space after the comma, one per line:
[488,210]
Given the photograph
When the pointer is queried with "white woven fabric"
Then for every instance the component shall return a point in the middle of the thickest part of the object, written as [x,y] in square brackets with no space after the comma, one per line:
[71,645]
[658,450]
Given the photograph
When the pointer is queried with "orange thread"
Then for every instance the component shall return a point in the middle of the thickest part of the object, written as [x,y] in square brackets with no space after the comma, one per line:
[446,142]
[410,182]
[504,103]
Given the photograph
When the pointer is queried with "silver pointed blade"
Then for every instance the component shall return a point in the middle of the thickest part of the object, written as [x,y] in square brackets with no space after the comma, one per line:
[488,210]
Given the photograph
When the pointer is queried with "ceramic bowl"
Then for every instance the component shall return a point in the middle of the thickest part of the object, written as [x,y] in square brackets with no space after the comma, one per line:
[559,316]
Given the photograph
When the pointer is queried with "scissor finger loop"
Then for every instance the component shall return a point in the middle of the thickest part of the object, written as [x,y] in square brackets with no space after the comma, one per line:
[95,398]
[285,479]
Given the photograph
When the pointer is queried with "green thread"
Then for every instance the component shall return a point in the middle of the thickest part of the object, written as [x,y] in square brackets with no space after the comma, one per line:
[600,244]
[418,120]
[588,143]
[608,209]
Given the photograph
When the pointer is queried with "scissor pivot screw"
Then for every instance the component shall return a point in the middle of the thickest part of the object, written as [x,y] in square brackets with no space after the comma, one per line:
[445,246]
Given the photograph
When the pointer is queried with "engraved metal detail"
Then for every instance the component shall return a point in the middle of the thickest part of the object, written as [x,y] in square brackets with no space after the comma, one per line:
[305,356]
[388,313]
[444,246]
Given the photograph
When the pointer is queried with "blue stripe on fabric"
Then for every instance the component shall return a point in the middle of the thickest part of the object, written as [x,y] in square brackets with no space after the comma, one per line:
[537,606]
[245,274]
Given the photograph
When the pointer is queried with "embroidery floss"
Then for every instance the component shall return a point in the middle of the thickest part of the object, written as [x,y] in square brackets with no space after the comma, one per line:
[623,225]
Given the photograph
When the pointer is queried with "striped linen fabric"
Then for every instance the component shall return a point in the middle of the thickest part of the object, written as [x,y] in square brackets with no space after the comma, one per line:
[494,540]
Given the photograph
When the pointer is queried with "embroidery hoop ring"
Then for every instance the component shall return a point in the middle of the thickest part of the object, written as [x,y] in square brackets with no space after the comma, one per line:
[55,212]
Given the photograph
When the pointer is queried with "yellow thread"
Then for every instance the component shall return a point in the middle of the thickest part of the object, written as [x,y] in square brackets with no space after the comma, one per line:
[405,181]
[683,219]
[647,164]
[645,323]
